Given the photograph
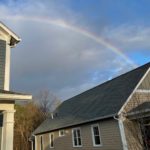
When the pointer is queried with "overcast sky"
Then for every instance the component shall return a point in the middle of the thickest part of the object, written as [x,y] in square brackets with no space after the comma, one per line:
[69,46]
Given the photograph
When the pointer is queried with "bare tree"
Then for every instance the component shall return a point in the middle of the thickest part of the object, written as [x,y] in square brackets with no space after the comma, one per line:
[29,116]
[47,102]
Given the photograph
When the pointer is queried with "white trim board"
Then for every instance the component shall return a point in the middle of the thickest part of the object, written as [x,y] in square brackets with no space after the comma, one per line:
[12,34]
[142,91]
[35,141]
[5,96]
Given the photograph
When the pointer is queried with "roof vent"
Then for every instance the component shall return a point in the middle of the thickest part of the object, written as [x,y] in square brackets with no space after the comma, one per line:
[52,115]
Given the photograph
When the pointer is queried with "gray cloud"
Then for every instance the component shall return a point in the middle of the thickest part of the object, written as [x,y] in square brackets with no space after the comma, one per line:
[57,58]
[129,37]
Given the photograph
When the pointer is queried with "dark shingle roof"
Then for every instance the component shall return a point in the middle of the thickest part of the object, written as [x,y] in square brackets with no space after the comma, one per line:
[102,101]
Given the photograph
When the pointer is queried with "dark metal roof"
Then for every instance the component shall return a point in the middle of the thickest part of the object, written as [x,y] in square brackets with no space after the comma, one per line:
[100,102]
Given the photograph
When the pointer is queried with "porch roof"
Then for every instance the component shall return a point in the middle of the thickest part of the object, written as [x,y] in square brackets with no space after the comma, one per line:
[142,107]
[10,95]
[141,111]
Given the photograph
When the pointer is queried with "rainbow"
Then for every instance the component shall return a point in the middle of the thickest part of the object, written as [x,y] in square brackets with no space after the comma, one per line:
[63,24]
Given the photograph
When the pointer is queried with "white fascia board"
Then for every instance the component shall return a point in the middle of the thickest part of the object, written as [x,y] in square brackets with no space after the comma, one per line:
[15,97]
[12,34]
[133,91]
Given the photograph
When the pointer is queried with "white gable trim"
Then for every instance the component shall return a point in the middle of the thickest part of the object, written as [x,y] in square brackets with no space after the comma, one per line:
[12,34]
[134,91]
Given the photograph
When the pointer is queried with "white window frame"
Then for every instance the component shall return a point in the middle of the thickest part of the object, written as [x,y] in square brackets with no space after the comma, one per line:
[35,142]
[73,137]
[50,140]
[61,134]
[93,137]
[41,137]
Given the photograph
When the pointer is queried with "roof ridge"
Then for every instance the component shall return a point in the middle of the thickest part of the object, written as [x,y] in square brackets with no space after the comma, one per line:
[125,73]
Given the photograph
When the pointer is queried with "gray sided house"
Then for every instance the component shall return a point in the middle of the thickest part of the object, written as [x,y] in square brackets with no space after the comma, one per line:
[112,116]
[8,40]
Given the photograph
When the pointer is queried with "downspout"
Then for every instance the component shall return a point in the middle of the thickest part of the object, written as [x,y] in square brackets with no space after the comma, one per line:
[122,132]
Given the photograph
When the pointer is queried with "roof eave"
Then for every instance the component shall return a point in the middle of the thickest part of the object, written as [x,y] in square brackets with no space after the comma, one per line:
[81,123]
[14,41]
[14,38]
[4,96]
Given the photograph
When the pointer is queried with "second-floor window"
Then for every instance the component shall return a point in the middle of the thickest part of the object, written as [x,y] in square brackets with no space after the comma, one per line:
[76,137]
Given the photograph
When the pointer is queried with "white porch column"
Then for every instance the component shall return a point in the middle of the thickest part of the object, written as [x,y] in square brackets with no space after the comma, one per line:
[8,130]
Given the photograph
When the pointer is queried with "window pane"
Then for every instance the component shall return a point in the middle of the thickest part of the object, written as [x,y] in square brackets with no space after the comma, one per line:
[52,139]
[52,136]
[52,144]
[78,133]
[41,143]
[61,132]
[97,140]
[74,133]
[96,131]
[79,141]
[75,142]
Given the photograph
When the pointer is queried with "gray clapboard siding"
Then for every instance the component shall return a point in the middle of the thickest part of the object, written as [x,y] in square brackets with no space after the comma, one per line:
[109,131]
[2,62]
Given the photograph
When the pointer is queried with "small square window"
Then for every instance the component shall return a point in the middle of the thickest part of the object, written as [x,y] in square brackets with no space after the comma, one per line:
[61,132]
